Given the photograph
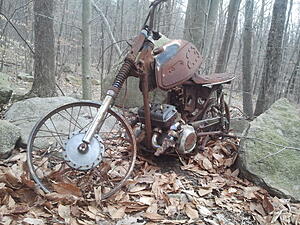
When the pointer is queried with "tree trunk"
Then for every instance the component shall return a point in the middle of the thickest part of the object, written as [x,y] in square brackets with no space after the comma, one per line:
[86,50]
[210,33]
[44,57]
[292,80]
[222,60]
[272,59]
[247,67]
[195,21]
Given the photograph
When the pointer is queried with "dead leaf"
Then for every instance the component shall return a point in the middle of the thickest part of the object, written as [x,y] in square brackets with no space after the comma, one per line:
[33,221]
[146,200]
[190,212]
[207,164]
[138,187]
[203,191]
[153,216]
[268,207]
[152,208]
[204,211]
[257,207]
[62,198]
[64,212]
[116,213]
[67,188]
[19,209]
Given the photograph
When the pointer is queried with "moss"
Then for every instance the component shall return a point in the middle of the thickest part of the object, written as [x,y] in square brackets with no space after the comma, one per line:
[280,125]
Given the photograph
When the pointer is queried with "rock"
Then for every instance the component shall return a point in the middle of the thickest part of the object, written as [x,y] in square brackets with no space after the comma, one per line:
[25,77]
[25,114]
[9,135]
[237,126]
[96,82]
[5,89]
[275,168]
[73,79]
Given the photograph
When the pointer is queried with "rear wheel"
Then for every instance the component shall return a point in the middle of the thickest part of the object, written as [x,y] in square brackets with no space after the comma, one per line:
[55,160]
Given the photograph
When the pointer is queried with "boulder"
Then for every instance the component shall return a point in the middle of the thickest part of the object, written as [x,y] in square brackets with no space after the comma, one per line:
[5,89]
[9,135]
[25,114]
[238,125]
[25,77]
[263,157]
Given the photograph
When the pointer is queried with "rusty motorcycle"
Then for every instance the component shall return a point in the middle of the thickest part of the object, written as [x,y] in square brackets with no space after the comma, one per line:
[90,147]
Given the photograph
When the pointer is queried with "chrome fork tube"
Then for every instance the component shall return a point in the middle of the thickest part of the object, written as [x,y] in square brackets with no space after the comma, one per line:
[98,120]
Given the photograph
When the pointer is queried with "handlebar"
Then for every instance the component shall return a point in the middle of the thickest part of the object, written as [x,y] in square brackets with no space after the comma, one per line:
[156,3]
[150,16]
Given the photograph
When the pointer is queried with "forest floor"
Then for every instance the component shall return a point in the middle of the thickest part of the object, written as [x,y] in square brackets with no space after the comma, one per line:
[202,189]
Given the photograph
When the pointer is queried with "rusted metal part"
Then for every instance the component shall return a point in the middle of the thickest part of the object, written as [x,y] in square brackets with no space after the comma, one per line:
[176,63]
[148,126]
[212,79]
[209,133]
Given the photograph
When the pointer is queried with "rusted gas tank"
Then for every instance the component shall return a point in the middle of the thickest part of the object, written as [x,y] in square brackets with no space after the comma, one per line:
[177,63]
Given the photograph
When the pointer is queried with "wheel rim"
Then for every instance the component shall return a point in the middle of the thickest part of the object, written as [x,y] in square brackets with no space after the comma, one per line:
[46,151]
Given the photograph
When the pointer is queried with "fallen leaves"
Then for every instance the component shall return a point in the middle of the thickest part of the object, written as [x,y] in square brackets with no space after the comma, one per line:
[203,191]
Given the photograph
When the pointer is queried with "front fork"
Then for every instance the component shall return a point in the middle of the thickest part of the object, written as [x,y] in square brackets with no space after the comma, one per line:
[121,77]
[98,120]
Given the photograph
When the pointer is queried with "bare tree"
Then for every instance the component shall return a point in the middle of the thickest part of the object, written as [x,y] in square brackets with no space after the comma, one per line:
[86,50]
[44,57]
[247,65]
[272,59]
[195,22]
[227,41]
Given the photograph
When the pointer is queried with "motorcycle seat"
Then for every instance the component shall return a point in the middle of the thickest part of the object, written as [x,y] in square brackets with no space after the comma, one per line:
[212,79]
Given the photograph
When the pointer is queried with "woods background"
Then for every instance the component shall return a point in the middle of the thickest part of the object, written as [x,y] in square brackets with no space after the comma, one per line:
[258,40]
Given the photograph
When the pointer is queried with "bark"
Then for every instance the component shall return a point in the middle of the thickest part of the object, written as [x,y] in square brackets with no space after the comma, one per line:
[195,21]
[210,34]
[247,66]
[211,24]
[272,59]
[86,50]
[259,48]
[228,36]
[292,80]
[44,57]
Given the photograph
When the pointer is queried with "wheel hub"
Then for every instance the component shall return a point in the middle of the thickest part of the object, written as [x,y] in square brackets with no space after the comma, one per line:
[81,156]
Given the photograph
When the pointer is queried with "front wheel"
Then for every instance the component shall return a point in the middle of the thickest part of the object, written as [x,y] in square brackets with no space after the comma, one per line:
[55,160]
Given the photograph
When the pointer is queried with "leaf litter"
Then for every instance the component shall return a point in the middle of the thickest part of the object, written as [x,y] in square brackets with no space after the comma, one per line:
[204,189]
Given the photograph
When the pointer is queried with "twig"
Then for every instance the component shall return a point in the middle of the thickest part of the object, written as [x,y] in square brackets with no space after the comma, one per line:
[59,88]
[270,154]
[108,27]
[262,140]
[51,18]
[108,47]
[8,20]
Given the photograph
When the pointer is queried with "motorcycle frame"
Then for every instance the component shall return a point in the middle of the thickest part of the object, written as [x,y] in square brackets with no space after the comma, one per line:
[138,63]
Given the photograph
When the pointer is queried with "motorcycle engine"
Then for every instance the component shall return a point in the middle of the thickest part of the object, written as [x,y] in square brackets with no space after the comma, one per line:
[162,115]
[168,133]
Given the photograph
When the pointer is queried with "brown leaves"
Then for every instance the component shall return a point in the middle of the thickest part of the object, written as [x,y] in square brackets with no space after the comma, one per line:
[67,189]
[204,191]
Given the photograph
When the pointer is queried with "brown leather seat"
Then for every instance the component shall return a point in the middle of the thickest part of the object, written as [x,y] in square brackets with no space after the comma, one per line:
[213,79]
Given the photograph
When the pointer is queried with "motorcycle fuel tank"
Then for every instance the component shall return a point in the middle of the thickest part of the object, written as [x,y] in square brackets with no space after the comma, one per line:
[177,62]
